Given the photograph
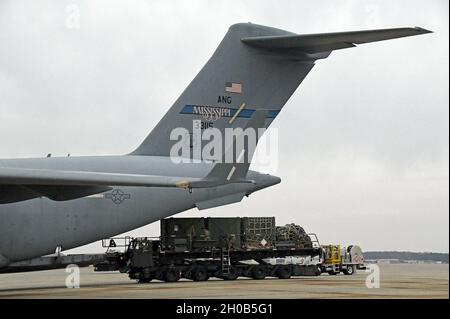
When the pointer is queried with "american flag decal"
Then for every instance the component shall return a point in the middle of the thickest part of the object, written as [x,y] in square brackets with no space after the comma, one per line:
[232,87]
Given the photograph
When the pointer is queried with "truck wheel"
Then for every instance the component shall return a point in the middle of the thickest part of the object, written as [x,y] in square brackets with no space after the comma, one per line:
[318,272]
[144,276]
[332,273]
[144,280]
[200,274]
[133,276]
[171,275]
[349,270]
[232,275]
[259,272]
[284,273]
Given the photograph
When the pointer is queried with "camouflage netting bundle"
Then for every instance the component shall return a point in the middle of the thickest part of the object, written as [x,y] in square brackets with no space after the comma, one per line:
[295,233]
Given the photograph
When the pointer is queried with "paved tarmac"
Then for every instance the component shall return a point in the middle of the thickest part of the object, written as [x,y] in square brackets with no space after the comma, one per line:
[396,281]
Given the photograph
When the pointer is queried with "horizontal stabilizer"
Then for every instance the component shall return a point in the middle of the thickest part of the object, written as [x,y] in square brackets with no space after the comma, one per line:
[19,184]
[25,176]
[325,42]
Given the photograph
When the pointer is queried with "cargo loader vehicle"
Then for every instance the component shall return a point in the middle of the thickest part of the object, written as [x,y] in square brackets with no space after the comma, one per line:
[225,248]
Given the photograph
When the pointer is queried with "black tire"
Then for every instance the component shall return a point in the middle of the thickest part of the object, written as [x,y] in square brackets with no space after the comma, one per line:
[349,270]
[232,275]
[318,272]
[284,273]
[143,279]
[200,273]
[171,275]
[259,272]
[332,273]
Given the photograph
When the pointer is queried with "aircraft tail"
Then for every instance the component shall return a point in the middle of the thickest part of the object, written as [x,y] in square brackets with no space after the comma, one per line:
[247,81]
[236,82]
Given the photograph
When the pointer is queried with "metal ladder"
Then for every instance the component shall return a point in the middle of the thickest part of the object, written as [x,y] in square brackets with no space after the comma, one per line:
[226,263]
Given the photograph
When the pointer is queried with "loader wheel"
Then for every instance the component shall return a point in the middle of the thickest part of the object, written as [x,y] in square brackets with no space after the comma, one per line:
[171,275]
[145,280]
[284,273]
[318,272]
[350,270]
[232,275]
[200,274]
[144,276]
[259,272]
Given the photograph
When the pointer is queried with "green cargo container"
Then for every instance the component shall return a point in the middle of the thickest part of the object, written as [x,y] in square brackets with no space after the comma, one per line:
[226,231]
[194,234]
[178,234]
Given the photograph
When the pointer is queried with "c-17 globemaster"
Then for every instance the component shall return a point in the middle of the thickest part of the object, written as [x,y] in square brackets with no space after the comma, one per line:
[66,202]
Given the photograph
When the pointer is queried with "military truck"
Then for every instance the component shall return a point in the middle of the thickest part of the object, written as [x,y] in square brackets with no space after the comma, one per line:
[200,248]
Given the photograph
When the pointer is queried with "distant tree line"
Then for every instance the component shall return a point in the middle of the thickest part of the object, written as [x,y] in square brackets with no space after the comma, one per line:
[406,255]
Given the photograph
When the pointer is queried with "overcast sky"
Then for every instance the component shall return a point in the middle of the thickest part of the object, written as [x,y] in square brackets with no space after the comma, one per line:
[364,141]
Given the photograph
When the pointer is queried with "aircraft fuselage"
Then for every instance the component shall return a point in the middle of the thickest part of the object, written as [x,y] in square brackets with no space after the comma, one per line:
[36,227]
